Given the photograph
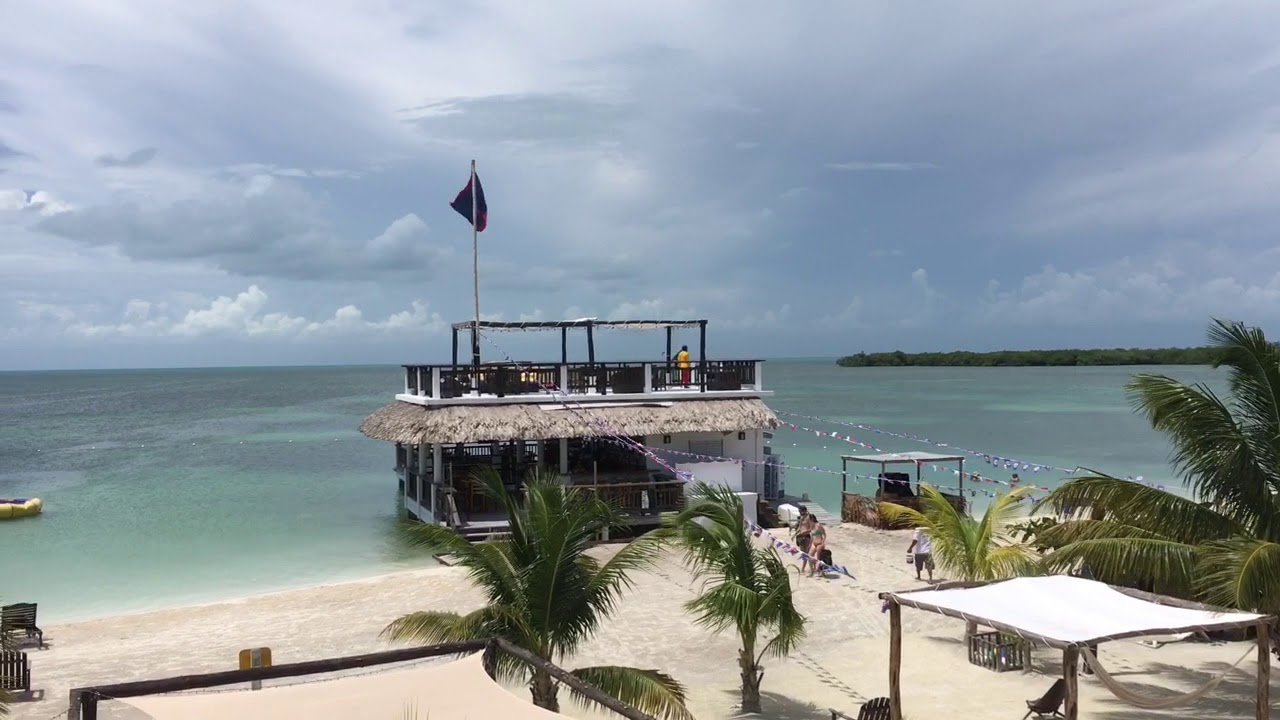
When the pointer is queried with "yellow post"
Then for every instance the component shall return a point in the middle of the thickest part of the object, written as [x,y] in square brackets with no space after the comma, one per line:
[255,658]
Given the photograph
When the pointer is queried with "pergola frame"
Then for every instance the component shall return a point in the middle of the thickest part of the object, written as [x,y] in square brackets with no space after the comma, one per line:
[884,460]
[564,326]
[1070,651]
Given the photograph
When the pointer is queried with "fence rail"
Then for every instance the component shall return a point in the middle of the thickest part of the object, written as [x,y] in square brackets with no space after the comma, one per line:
[602,378]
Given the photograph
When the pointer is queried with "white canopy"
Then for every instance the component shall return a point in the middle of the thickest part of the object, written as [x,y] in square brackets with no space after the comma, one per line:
[451,690]
[1063,610]
[914,456]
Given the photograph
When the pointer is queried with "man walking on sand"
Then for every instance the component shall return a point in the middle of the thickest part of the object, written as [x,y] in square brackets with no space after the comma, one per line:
[922,544]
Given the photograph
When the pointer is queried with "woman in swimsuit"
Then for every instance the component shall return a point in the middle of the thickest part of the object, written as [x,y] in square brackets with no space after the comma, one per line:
[818,537]
[803,536]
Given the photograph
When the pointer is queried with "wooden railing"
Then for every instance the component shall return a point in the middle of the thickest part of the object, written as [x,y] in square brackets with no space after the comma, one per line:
[604,378]
[641,498]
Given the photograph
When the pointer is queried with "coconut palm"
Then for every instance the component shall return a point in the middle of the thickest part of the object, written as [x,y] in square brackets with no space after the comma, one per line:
[545,594]
[966,548]
[747,589]
[1223,543]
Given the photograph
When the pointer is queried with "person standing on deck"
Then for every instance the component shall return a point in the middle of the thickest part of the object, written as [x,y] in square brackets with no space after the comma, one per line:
[682,362]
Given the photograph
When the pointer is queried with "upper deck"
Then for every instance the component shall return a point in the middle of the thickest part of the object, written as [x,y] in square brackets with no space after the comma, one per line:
[477,382]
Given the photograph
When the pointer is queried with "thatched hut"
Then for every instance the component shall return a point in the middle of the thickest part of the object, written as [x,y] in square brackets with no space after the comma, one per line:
[566,417]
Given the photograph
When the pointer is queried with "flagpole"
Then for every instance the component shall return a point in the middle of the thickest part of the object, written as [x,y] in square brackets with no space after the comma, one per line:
[475,273]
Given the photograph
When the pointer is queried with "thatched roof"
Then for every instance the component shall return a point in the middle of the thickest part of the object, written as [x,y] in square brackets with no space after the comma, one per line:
[416,424]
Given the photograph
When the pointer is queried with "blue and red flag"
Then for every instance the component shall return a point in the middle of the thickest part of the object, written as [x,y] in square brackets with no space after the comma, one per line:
[463,203]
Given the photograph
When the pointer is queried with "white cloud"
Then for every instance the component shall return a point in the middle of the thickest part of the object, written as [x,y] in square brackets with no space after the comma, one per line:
[1134,292]
[241,316]
[40,201]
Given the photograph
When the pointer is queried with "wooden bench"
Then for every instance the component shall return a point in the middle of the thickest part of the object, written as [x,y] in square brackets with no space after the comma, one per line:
[20,618]
[15,671]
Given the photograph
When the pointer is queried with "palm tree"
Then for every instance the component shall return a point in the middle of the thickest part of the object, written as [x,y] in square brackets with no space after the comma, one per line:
[965,548]
[1222,544]
[545,594]
[747,589]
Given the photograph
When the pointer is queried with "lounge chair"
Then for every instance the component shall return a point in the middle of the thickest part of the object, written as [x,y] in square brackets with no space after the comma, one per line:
[21,618]
[15,671]
[1049,703]
[875,709]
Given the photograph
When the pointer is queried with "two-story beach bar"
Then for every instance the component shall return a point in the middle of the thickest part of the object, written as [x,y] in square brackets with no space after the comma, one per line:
[703,416]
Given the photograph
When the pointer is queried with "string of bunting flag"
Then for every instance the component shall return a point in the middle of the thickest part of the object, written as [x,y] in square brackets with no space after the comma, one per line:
[990,459]
[601,425]
[840,473]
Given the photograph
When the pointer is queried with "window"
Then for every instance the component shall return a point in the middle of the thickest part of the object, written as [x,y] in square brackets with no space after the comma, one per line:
[708,448]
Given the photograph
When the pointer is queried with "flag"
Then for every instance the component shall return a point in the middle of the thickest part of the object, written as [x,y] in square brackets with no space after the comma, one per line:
[463,203]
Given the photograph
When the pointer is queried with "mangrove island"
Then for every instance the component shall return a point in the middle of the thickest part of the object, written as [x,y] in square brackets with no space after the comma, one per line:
[1036,358]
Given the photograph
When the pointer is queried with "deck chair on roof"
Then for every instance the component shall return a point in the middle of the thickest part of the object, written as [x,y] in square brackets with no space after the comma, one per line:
[1048,704]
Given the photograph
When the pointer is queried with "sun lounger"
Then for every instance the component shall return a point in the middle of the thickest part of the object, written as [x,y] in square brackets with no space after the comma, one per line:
[875,709]
[20,618]
[15,671]
[1049,703]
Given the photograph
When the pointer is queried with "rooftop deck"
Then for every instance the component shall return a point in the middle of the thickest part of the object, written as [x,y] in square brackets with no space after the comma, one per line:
[546,382]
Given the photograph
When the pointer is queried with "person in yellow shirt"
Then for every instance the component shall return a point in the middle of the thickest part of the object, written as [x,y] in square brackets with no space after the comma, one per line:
[682,362]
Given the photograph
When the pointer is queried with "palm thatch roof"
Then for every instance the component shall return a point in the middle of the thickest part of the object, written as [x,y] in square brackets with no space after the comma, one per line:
[413,424]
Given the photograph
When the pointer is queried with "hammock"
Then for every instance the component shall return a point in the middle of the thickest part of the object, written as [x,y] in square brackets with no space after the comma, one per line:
[1150,703]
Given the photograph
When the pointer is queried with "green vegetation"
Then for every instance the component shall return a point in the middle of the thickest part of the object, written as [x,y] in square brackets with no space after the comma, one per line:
[1224,546]
[545,593]
[746,587]
[966,548]
[1037,358]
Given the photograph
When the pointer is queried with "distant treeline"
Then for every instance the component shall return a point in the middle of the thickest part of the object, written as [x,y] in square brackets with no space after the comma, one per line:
[1035,358]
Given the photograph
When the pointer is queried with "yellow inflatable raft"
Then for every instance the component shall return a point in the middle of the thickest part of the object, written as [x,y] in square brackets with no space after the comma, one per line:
[20,507]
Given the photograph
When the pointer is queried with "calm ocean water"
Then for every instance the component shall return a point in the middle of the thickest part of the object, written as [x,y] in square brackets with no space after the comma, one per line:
[170,487]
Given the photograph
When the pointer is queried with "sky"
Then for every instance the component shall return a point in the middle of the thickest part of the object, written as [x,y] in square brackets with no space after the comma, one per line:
[258,183]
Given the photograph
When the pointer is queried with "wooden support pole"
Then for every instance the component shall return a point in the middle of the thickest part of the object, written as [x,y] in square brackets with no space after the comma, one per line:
[564,345]
[844,477]
[702,355]
[1264,671]
[1070,671]
[895,660]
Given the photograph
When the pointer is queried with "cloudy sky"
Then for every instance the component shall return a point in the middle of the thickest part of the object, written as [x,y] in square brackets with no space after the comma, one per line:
[263,182]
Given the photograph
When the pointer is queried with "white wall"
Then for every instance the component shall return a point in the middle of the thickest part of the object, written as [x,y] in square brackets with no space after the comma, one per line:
[751,448]
[726,473]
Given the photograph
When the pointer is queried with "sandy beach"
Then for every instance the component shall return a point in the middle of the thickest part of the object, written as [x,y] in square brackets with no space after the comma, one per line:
[843,662]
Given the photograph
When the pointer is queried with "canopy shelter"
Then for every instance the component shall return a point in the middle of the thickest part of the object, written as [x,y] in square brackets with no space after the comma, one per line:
[884,460]
[1071,614]
[588,324]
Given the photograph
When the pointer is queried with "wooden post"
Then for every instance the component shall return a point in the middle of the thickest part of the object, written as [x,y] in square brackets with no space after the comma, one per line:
[1264,671]
[564,345]
[455,350]
[1070,669]
[844,478]
[962,481]
[702,355]
[895,660]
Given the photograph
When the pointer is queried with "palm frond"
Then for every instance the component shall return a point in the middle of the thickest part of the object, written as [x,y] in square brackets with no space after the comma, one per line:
[1140,506]
[650,691]
[1167,566]
[1241,573]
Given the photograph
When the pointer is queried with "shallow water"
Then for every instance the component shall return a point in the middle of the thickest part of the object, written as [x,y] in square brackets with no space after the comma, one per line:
[170,487]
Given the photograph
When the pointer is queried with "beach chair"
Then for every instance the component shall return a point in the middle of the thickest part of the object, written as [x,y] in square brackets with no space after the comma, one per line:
[1049,703]
[875,709]
[20,618]
[15,671]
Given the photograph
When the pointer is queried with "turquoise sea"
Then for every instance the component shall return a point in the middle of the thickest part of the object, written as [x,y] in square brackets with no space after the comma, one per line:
[172,487]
